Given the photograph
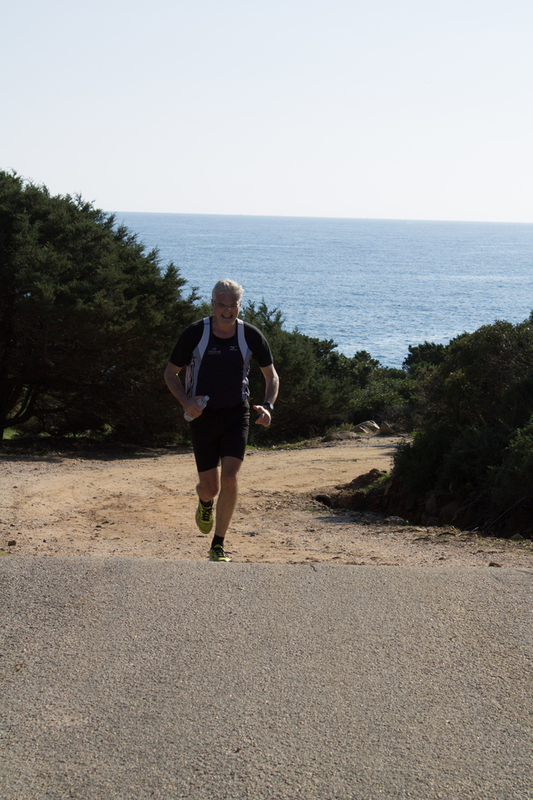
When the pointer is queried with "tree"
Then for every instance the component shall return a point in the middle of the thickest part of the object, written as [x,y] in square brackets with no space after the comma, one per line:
[319,386]
[87,318]
[424,355]
[476,424]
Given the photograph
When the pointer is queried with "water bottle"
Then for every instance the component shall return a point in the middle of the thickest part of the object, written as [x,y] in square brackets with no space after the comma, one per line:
[201,403]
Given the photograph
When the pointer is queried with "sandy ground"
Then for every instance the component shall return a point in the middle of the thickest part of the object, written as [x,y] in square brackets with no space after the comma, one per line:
[143,505]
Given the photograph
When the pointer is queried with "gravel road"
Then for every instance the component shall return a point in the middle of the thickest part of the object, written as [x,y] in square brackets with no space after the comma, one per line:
[143,678]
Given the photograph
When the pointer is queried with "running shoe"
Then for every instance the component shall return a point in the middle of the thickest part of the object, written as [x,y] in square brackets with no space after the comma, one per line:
[217,553]
[204,516]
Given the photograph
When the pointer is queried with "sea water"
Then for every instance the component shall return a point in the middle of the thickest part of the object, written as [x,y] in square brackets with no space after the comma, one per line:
[374,285]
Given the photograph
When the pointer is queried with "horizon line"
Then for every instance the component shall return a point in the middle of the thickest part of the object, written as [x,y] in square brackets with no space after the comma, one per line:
[303,216]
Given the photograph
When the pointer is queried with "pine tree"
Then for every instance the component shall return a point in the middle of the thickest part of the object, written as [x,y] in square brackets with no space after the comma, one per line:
[87,318]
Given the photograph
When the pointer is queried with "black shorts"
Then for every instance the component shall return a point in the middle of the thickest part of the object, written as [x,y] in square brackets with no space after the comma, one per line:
[220,432]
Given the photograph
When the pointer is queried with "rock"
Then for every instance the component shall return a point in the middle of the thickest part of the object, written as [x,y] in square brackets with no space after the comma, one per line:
[365,480]
[443,506]
[367,427]
[517,538]
[339,436]
[432,506]
[386,430]
[12,543]
[448,511]
[459,516]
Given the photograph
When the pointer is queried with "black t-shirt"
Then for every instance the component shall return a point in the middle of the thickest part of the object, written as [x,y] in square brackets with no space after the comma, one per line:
[222,370]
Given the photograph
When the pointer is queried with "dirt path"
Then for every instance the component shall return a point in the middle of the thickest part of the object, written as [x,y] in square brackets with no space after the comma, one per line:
[143,506]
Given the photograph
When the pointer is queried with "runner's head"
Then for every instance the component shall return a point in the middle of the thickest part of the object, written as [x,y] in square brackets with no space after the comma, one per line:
[226,304]
[227,285]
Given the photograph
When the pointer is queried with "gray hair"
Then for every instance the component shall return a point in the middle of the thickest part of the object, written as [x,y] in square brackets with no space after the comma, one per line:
[227,285]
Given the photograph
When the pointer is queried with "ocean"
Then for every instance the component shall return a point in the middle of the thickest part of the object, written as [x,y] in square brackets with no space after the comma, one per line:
[374,285]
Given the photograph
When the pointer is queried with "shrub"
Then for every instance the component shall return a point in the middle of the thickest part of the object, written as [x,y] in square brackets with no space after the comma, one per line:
[513,481]
[476,430]
[423,356]
[87,319]
[389,394]
[311,399]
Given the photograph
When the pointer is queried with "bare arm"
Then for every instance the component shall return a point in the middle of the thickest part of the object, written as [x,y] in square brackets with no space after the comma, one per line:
[271,392]
[174,384]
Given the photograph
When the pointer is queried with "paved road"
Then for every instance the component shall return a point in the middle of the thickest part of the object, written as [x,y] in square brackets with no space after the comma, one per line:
[137,679]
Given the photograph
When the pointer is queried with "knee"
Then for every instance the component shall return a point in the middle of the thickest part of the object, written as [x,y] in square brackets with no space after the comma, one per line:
[208,486]
[229,480]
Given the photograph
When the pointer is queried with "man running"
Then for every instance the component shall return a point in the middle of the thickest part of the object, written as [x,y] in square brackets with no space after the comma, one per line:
[216,353]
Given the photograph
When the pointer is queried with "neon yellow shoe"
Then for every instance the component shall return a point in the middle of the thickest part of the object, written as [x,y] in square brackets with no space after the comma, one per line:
[204,516]
[217,553]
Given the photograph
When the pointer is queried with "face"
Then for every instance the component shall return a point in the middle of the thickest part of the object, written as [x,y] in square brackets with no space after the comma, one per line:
[226,307]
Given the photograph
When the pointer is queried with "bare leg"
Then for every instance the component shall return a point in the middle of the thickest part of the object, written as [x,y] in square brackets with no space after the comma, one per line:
[229,490]
[208,485]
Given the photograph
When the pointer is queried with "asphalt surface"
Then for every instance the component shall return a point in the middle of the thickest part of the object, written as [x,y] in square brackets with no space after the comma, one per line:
[137,679]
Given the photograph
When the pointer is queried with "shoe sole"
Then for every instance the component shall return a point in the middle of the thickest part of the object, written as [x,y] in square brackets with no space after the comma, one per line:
[219,560]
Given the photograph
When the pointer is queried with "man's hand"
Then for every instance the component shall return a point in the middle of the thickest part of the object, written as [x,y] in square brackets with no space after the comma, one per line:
[264,417]
[192,408]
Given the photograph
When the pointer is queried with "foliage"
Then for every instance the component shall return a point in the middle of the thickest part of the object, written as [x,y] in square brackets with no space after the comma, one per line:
[356,371]
[308,401]
[424,356]
[476,422]
[514,479]
[321,388]
[87,318]
[389,395]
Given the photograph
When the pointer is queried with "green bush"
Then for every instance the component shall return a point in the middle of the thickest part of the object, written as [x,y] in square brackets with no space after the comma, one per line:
[322,388]
[311,399]
[475,411]
[87,319]
[389,395]
[513,481]
[424,356]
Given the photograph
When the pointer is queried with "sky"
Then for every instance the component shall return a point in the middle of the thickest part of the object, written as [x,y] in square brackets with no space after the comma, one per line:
[391,109]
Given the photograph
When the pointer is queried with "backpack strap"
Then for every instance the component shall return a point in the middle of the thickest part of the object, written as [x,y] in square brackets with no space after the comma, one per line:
[191,373]
[246,357]
[202,345]
[243,346]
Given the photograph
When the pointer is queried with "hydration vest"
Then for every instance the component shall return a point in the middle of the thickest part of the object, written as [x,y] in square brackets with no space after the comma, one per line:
[193,369]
